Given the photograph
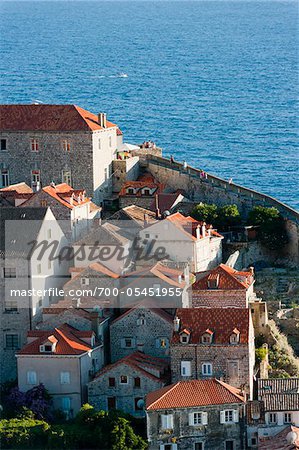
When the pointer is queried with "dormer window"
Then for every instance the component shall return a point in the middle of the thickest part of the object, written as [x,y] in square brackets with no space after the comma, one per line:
[235,337]
[130,191]
[207,337]
[213,281]
[84,281]
[185,336]
[46,348]
[146,191]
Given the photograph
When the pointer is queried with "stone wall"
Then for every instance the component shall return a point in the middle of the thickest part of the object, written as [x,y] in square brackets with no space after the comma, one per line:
[220,356]
[213,435]
[219,298]
[126,327]
[126,394]
[124,170]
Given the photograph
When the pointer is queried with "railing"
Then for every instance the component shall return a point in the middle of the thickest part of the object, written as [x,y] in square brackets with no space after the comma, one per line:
[241,191]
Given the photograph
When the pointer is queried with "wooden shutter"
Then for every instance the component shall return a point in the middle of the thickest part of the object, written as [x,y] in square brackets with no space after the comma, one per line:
[222,416]
[191,419]
[236,415]
[204,418]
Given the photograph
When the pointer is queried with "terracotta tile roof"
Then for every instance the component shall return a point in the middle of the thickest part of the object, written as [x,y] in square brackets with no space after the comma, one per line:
[166,274]
[188,225]
[119,132]
[166,201]
[48,118]
[136,214]
[229,279]
[141,362]
[69,341]
[18,188]
[142,305]
[193,393]
[105,234]
[282,440]
[144,181]
[96,267]
[66,195]
[222,321]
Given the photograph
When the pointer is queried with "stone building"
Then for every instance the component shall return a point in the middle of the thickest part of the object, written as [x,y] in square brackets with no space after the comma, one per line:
[141,192]
[63,360]
[197,415]
[25,279]
[214,342]
[124,384]
[145,329]
[186,240]
[59,143]
[223,287]
[74,211]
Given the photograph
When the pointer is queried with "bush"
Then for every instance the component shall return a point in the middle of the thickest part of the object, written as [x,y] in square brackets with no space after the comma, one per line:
[24,432]
[260,354]
[206,213]
[272,231]
[228,216]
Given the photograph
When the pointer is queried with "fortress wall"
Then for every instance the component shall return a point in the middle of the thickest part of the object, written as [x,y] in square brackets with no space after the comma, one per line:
[216,190]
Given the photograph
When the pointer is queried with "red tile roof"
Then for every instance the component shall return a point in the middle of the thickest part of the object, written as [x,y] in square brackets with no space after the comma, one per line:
[119,132]
[18,188]
[188,225]
[144,181]
[221,321]
[48,118]
[193,393]
[142,363]
[166,201]
[166,274]
[142,305]
[69,341]
[229,279]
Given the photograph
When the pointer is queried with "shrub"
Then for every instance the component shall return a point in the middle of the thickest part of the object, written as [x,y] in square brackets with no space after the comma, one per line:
[206,213]
[272,231]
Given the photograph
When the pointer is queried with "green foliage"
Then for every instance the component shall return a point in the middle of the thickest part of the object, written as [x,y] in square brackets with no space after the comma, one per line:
[90,429]
[204,212]
[222,218]
[260,354]
[272,231]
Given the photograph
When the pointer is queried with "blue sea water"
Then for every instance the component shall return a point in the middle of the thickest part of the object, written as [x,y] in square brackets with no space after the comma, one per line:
[212,82]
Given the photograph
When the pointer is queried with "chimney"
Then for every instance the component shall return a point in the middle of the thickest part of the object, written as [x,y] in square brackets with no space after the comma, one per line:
[102,120]
[176,324]
[145,220]
[180,279]
[157,207]
[140,346]
[251,270]
[197,231]
[204,229]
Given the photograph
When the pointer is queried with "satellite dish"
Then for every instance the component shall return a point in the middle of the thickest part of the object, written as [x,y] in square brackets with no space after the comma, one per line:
[291,437]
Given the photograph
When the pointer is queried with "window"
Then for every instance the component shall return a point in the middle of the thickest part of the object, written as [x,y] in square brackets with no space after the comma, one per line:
[123,379]
[207,369]
[111,403]
[253,441]
[31,377]
[229,416]
[35,176]
[49,233]
[9,272]
[47,348]
[128,343]
[34,145]
[141,320]
[232,369]
[11,341]
[162,342]
[131,191]
[111,382]
[39,269]
[99,144]
[137,382]
[198,418]
[229,445]
[138,404]
[272,418]
[5,177]
[166,421]
[157,287]
[184,338]
[84,281]
[39,302]
[234,338]
[65,377]
[287,418]
[66,177]
[110,141]
[66,403]
[198,446]
[3,144]
[66,145]
[206,338]
[11,306]
[49,264]
[44,203]
[146,192]
[186,368]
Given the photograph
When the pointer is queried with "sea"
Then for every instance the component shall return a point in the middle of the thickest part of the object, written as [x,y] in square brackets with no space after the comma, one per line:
[214,83]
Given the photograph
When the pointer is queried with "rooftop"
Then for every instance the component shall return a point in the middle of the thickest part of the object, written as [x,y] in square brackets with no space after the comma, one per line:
[279,394]
[228,279]
[221,321]
[193,393]
[48,118]
[287,439]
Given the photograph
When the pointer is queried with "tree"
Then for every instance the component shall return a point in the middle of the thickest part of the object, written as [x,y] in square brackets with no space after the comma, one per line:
[205,212]
[272,232]
[228,216]
[36,399]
